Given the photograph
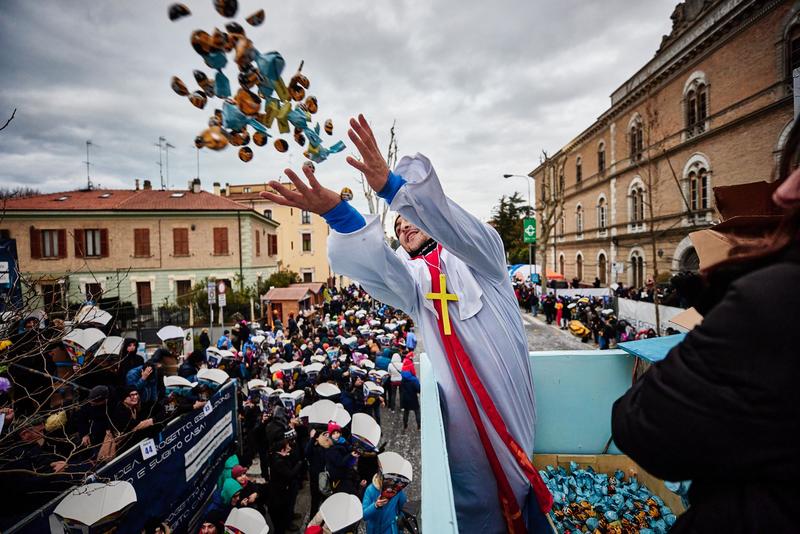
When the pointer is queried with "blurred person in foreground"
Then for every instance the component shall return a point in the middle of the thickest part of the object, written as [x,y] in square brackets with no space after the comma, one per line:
[721,408]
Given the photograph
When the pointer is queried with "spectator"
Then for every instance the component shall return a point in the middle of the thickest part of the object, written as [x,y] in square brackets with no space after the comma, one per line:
[380,513]
[409,397]
[224,342]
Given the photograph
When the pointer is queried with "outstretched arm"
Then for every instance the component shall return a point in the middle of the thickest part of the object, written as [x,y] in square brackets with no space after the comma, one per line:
[356,248]
[415,192]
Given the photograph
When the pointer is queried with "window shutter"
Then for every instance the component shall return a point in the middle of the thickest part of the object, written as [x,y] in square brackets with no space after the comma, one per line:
[273,245]
[79,236]
[220,241]
[104,242]
[224,240]
[141,242]
[36,243]
[62,243]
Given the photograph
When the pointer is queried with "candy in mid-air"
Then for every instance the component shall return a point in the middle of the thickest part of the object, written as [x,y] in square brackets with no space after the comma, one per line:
[213,138]
[234,28]
[260,138]
[311,104]
[299,138]
[219,40]
[201,42]
[245,153]
[256,18]
[249,77]
[199,76]
[179,87]
[198,99]
[247,102]
[240,138]
[281,145]
[346,194]
[329,127]
[226,8]
[309,165]
[297,86]
[178,11]
[245,53]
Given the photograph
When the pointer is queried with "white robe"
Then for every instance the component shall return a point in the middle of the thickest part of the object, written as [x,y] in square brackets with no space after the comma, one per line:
[486,319]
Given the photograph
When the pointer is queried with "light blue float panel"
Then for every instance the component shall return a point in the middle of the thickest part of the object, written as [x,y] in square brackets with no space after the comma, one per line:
[575,391]
[438,509]
[654,349]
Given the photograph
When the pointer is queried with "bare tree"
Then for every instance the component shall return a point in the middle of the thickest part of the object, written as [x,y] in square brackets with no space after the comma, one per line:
[550,208]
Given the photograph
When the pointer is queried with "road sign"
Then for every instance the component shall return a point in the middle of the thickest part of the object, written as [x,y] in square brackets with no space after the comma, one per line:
[221,288]
[222,300]
[212,294]
[529,230]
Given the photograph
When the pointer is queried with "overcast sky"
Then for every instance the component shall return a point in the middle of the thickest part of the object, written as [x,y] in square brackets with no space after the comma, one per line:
[479,87]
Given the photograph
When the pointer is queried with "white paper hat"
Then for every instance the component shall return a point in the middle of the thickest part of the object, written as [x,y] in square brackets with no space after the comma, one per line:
[85,338]
[366,428]
[213,351]
[340,511]
[320,358]
[225,353]
[93,315]
[170,332]
[361,313]
[213,375]
[112,345]
[91,503]
[325,411]
[256,384]
[368,364]
[390,326]
[312,368]
[327,390]
[374,322]
[178,381]
[394,464]
[373,388]
[246,521]
[275,367]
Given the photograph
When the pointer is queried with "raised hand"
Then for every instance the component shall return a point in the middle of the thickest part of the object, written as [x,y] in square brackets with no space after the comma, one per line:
[312,197]
[372,164]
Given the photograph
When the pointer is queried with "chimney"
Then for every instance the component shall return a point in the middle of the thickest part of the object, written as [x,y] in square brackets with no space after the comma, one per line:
[196,186]
[147,185]
[216,188]
[227,189]
[137,184]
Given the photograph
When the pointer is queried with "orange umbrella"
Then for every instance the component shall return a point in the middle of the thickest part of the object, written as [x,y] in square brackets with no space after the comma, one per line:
[552,275]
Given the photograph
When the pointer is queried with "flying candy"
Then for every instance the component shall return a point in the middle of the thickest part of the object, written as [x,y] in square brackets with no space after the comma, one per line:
[261,102]
[178,11]
[256,18]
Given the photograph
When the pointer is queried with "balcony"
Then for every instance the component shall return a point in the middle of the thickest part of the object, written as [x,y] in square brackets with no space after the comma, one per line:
[575,391]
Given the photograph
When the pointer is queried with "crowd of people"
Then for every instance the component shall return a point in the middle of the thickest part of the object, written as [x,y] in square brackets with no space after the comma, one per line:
[68,409]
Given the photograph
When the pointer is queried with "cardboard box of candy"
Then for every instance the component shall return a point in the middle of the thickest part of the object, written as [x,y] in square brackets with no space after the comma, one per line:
[606,493]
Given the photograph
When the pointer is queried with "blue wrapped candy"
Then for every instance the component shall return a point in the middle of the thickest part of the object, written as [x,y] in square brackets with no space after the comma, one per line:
[222,87]
[270,65]
[232,117]
[216,60]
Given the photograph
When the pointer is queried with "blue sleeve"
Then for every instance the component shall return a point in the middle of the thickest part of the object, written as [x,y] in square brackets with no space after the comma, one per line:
[344,218]
[393,185]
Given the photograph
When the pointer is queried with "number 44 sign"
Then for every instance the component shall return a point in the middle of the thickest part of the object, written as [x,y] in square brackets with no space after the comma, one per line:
[148,448]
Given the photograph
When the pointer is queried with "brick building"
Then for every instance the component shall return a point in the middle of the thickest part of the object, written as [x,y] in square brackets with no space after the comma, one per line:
[711,108]
[145,246]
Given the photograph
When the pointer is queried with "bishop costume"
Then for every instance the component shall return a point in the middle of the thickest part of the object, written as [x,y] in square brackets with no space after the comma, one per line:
[460,295]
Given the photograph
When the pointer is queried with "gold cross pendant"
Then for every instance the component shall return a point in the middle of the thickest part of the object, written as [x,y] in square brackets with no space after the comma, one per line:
[443,296]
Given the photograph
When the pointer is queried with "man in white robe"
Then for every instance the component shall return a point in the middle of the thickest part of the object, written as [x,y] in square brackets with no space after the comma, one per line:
[477,345]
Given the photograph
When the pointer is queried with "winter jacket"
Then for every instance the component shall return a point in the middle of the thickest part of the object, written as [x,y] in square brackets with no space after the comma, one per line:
[148,389]
[409,391]
[382,520]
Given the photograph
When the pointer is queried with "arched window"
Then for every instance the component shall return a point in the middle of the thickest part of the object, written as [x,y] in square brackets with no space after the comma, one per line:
[561,264]
[562,223]
[637,269]
[635,139]
[602,210]
[636,203]
[601,269]
[578,170]
[579,264]
[696,176]
[695,103]
[601,157]
[579,221]
[561,182]
[793,49]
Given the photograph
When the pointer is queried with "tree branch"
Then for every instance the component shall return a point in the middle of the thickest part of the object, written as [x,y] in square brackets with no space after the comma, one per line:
[11,118]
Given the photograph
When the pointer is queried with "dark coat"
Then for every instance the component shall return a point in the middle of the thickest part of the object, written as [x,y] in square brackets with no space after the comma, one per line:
[720,409]
[409,391]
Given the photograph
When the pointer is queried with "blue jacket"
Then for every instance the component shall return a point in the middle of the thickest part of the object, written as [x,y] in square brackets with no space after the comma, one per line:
[224,342]
[148,389]
[382,520]
[411,341]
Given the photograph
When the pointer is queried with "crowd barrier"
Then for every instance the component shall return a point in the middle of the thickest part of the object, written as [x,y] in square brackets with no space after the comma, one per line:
[642,315]
[173,475]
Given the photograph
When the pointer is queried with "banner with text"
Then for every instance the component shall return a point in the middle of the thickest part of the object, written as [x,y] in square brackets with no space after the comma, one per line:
[642,315]
[173,475]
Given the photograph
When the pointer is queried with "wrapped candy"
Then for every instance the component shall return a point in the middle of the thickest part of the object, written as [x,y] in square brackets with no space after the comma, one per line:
[299,138]
[179,87]
[260,138]
[240,138]
[248,102]
[281,145]
[234,28]
[245,154]
[232,117]
[222,87]
[201,42]
[256,19]
[329,127]
[216,60]
[178,11]
[226,8]
[198,99]
[213,138]
[311,104]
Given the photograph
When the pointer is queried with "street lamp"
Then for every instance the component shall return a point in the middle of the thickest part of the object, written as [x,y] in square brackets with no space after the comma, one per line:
[531,248]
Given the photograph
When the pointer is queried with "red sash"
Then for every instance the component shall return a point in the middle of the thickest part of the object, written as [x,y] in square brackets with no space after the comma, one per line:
[463,371]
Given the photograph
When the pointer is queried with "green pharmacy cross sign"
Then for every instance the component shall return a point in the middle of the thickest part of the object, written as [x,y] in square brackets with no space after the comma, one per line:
[529,230]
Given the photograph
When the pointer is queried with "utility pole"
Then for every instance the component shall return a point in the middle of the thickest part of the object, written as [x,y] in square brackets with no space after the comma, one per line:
[88,180]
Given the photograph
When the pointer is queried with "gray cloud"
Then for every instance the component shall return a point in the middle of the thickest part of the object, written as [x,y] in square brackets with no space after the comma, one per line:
[479,87]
